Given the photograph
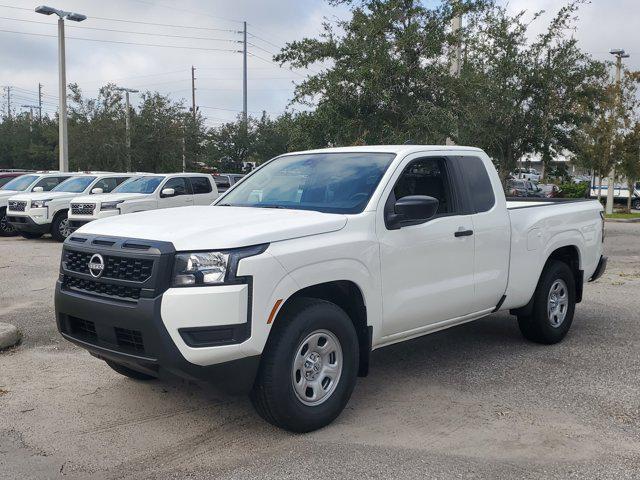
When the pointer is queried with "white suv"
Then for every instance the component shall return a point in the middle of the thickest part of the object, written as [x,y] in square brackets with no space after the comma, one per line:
[37,213]
[149,192]
[30,182]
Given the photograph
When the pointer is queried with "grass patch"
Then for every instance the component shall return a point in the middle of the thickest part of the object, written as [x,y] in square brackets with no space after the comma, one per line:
[623,215]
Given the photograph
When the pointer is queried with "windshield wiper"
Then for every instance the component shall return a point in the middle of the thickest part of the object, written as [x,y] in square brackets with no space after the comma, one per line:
[269,206]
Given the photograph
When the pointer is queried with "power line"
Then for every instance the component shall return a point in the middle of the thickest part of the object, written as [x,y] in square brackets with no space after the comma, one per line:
[126,31]
[125,43]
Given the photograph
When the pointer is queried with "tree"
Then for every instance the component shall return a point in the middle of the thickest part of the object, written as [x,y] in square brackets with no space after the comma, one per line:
[628,153]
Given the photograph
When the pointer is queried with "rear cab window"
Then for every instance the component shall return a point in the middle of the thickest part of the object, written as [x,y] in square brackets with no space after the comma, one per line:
[478,183]
[200,185]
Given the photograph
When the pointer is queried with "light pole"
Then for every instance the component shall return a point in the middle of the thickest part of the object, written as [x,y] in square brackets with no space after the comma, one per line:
[62,81]
[127,120]
[619,53]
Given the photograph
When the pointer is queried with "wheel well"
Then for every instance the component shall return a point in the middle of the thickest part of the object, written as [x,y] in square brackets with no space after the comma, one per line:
[348,296]
[59,212]
[571,256]
[568,255]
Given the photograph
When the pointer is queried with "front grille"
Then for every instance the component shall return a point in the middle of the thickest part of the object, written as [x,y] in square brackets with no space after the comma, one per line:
[17,206]
[83,208]
[82,328]
[129,339]
[117,268]
[98,288]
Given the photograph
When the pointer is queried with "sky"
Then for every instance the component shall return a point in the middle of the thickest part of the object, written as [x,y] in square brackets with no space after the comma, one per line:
[28,47]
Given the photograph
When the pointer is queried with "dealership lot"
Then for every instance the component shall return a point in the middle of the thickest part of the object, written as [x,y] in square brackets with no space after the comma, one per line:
[473,401]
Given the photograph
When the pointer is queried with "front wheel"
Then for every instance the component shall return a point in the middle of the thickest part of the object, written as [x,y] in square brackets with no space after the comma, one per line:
[60,227]
[554,303]
[309,366]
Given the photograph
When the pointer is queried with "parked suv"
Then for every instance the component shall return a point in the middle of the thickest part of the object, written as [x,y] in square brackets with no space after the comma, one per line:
[149,192]
[34,214]
[31,182]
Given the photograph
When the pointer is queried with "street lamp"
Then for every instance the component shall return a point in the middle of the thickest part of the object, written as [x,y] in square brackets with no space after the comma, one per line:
[62,79]
[127,120]
[619,53]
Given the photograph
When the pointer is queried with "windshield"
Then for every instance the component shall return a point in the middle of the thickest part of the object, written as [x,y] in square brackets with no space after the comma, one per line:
[74,185]
[325,182]
[139,185]
[19,184]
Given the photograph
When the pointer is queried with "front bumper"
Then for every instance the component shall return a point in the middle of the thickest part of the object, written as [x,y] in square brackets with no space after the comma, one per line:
[137,338]
[77,221]
[194,333]
[25,223]
[602,266]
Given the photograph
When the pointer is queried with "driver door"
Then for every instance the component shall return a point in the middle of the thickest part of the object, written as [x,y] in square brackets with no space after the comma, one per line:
[427,269]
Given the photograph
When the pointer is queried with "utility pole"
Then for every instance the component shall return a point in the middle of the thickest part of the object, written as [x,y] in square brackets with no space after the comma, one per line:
[127,120]
[193,92]
[30,107]
[8,102]
[244,75]
[63,142]
[619,54]
[456,61]
[39,101]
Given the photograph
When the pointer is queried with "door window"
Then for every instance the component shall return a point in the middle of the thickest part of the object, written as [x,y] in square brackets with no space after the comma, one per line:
[49,183]
[106,184]
[427,176]
[179,185]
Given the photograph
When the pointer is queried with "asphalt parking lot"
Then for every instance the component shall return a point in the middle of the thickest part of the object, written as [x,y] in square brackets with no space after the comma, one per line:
[475,401]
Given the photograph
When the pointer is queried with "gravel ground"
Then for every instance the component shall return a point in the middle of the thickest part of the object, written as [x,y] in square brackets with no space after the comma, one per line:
[475,401]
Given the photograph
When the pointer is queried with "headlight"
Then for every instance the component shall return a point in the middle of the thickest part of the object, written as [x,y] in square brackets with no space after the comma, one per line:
[39,203]
[200,268]
[210,268]
[110,205]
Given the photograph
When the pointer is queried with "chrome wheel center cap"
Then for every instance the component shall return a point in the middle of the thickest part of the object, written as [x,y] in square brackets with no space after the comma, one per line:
[312,365]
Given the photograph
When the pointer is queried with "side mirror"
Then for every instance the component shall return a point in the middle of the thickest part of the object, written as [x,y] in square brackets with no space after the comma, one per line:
[37,189]
[412,210]
[97,191]
[168,192]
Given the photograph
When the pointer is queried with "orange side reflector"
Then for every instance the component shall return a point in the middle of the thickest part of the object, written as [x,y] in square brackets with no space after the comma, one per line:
[273,311]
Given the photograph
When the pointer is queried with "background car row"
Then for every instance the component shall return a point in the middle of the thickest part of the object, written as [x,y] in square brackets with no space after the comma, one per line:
[34,204]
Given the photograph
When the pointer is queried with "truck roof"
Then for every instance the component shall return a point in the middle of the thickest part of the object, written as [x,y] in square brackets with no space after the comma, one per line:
[405,149]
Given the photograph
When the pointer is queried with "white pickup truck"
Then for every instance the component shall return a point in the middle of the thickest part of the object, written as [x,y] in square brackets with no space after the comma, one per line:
[285,286]
[36,213]
[148,192]
[31,182]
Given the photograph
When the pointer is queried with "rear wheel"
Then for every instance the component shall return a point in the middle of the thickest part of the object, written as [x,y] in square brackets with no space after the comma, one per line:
[128,372]
[30,235]
[309,366]
[6,230]
[636,204]
[554,304]
[60,227]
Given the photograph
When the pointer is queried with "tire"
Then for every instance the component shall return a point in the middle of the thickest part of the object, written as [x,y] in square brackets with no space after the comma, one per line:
[30,235]
[60,226]
[636,204]
[128,372]
[554,303]
[275,396]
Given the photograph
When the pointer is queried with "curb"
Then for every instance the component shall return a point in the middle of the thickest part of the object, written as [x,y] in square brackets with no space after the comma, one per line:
[9,335]
[623,220]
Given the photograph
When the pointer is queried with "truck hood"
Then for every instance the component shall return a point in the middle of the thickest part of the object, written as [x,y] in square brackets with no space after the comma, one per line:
[108,197]
[211,227]
[42,195]
[8,193]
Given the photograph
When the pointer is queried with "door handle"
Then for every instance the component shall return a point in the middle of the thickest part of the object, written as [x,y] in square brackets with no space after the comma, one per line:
[463,233]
